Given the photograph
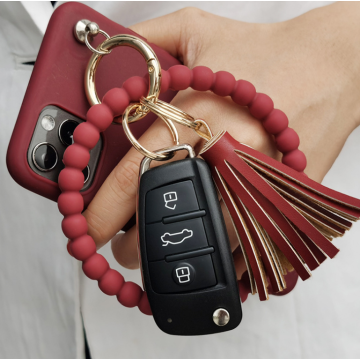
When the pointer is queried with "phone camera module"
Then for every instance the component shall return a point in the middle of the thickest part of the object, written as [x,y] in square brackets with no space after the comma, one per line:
[66,131]
[44,157]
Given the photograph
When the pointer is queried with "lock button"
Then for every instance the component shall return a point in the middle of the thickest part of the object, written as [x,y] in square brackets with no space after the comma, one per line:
[170,200]
[182,276]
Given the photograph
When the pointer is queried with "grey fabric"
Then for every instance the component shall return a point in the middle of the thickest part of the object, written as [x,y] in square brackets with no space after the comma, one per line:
[39,301]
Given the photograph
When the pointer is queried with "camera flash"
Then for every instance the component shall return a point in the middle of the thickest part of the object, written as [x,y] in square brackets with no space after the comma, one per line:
[48,122]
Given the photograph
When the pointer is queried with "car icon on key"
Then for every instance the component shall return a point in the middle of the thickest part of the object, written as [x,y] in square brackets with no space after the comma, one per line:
[176,238]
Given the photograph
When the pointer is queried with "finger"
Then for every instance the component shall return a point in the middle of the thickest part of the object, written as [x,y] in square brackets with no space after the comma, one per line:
[239,262]
[115,202]
[124,248]
[180,33]
[164,31]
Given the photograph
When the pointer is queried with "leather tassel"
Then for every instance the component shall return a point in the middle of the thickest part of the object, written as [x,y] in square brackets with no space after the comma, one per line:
[284,220]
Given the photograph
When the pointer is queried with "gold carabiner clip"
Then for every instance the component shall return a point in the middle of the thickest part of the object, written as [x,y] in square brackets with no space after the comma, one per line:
[153,66]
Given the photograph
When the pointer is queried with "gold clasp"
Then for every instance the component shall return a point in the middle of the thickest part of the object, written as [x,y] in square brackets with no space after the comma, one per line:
[153,66]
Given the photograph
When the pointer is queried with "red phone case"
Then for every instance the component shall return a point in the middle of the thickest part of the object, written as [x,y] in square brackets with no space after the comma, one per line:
[58,79]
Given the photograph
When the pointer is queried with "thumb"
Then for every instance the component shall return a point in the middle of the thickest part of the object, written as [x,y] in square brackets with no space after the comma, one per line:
[169,32]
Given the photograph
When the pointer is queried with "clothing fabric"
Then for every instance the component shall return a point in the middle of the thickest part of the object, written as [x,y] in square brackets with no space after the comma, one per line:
[39,306]
[42,287]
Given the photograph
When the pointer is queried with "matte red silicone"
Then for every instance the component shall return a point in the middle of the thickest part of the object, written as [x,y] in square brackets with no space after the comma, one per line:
[58,79]
[99,118]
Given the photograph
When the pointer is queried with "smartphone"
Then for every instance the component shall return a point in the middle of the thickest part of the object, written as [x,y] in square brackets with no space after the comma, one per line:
[55,103]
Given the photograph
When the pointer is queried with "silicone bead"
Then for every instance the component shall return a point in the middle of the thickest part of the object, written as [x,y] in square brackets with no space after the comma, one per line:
[100,116]
[136,87]
[243,93]
[261,106]
[295,159]
[130,294]
[70,203]
[86,135]
[71,179]
[76,156]
[117,100]
[181,77]
[68,248]
[95,266]
[224,83]
[82,247]
[144,305]
[74,226]
[111,282]
[287,140]
[165,81]
[203,78]
[275,122]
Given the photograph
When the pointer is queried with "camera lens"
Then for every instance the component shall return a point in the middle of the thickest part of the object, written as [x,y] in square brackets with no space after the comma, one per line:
[66,131]
[45,157]
[86,173]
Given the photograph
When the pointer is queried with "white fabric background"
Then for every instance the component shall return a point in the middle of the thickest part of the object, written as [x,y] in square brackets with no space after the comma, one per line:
[39,312]
[39,302]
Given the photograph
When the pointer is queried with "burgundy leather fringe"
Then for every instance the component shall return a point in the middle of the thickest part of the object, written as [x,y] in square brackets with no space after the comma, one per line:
[283,219]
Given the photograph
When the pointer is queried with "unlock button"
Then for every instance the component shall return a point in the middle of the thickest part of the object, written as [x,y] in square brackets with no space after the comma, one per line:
[170,200]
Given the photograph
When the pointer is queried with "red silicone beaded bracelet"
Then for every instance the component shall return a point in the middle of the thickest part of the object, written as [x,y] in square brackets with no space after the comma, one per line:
[99,117]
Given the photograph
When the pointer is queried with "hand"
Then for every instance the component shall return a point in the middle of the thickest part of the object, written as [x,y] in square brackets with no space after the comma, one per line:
[308,66]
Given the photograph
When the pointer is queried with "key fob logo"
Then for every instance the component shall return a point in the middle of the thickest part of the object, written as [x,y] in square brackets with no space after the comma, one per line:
[176,238]
[170,197]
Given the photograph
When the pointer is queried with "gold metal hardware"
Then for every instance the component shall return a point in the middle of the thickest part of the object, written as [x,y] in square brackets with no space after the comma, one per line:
[138,146]
[145,50]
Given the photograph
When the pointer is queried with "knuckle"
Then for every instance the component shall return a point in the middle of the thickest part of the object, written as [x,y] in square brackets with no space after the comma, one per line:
[126,179]
[190,12]
[125,259]
[97,228]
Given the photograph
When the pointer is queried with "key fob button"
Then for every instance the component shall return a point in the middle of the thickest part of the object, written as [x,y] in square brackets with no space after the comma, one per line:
[170,200]
[167,239]
[182,276]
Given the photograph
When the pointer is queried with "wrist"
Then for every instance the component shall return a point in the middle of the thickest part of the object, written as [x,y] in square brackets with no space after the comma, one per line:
[329,53]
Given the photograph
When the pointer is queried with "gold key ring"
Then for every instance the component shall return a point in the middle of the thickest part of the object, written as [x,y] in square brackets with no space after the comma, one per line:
[138,146]
[171,112]
[153,65]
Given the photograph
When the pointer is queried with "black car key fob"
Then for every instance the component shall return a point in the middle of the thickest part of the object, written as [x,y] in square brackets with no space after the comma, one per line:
[187,265]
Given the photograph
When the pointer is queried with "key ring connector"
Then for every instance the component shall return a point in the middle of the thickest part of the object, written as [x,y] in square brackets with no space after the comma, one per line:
[171,112]
[161,108]
[97,51]
[145,163]
[138,146]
